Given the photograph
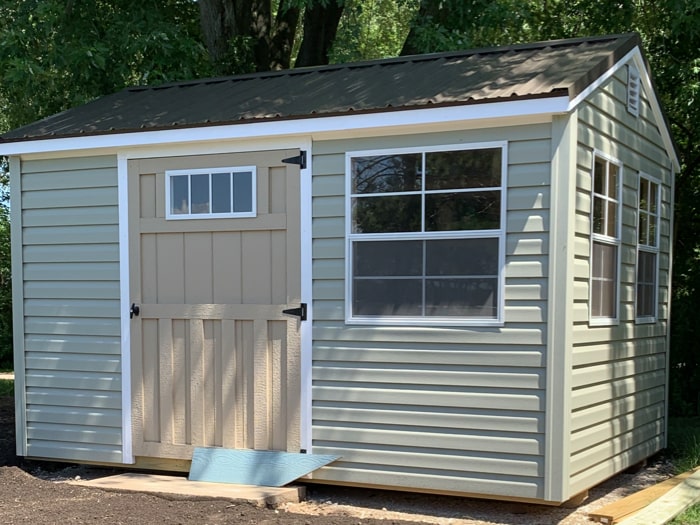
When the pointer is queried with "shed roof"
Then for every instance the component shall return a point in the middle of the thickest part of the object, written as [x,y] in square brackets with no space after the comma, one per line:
[544,69]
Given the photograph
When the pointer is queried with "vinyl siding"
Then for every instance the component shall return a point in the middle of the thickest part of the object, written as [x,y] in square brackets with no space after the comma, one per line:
[437,408]
[70,274]
[619,371]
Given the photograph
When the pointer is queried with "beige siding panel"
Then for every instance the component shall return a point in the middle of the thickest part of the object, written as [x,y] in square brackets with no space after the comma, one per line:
[433,480]
[606,372]
[84,398]
[496,399]
[86,178]
[609,430]
[397,374]
[71,303]
[612,408]
[57,198]
[525,292]
[59,235]
[513,466]
[71,290]
[488,442]
[72,253]
[72,343]
[614,464]
[70,216]
[457,418]
[86,435]
[603,392]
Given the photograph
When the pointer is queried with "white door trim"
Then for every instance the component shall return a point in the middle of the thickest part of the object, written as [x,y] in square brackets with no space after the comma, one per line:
[302,143]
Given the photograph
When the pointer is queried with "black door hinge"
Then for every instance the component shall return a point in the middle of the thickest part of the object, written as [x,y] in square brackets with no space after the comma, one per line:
[299,159]
[299,312]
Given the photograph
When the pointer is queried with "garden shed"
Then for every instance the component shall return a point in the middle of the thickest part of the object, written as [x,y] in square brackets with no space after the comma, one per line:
[450,270]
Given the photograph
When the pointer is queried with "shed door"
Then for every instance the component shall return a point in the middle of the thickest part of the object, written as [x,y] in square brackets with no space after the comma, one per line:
[215,362]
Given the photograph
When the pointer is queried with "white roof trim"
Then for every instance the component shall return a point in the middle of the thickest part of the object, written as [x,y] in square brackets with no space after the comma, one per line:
[305,126]
[635,55]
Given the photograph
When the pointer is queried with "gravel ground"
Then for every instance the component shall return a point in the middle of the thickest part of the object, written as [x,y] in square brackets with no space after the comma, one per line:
[49,493]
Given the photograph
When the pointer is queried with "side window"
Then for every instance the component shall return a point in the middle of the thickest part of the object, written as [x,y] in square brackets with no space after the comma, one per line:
[210,193]
[647,249]
[426,235]
[605,240]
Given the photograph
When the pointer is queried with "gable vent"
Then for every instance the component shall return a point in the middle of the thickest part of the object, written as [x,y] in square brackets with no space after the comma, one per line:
[633,90]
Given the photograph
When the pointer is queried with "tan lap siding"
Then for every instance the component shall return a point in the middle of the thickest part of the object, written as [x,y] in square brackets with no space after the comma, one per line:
[71,304]
[619,371]
[444,408]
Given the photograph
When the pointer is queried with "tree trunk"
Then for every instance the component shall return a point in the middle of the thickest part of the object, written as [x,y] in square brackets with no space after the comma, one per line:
[249,24]
[428,10]
[320,27]
[218,20]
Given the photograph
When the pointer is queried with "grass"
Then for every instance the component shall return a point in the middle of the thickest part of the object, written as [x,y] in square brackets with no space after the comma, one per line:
[684,449]
[7,387]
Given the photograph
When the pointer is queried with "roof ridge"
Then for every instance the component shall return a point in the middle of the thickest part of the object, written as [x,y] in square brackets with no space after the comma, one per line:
[563,42]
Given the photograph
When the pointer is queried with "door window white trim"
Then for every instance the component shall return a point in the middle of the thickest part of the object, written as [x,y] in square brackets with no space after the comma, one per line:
[188,208]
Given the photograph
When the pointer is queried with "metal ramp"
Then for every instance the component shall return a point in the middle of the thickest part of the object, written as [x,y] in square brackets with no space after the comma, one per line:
[264,468]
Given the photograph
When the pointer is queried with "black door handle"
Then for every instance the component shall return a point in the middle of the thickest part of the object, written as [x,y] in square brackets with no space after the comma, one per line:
[135,310]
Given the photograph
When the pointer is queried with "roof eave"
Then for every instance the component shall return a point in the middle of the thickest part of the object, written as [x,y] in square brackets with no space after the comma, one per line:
[552,103]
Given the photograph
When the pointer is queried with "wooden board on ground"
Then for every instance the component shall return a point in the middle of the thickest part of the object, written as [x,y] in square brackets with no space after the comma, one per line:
[626,507]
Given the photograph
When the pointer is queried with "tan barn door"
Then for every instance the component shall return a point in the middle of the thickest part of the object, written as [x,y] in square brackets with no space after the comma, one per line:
[215,362]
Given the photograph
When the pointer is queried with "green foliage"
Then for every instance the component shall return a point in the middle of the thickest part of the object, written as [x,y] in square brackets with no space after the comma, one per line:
[372,29]
[56,54]
[684,448]
[7,388]
[6,360]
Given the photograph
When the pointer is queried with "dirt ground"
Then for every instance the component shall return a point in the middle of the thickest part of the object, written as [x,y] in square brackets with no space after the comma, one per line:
[50,493]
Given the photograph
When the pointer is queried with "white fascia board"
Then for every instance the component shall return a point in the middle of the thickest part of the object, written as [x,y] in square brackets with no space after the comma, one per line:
[635,55]
[304,126]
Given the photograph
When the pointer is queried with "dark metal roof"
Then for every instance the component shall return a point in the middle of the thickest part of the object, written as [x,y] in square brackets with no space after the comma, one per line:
[545,69]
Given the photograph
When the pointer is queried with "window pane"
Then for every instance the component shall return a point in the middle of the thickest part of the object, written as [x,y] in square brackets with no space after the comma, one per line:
[220,192]
[179,194]
[200,193]
[612,182]
[643,194]
[653,196]
[646,284]
[386,214]
[463,169]
[463,211]
[598,214]
[599,177]
[604,280]
[462,257]
[386,173]
[643,223]
[387,297]
[387,258]
[653,221]
[243,192]
[461,297]
[612,220]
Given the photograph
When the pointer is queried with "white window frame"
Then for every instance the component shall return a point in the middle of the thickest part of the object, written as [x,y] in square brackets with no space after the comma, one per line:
[499,234]
[648,248]
[615,241]
[169,174]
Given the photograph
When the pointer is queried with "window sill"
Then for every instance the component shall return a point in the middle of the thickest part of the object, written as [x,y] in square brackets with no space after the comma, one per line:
[603,322]
[423,322]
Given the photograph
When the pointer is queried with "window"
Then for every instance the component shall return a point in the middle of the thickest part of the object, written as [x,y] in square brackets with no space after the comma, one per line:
[647,248]
[605,240]
[210,193]
[426,234]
